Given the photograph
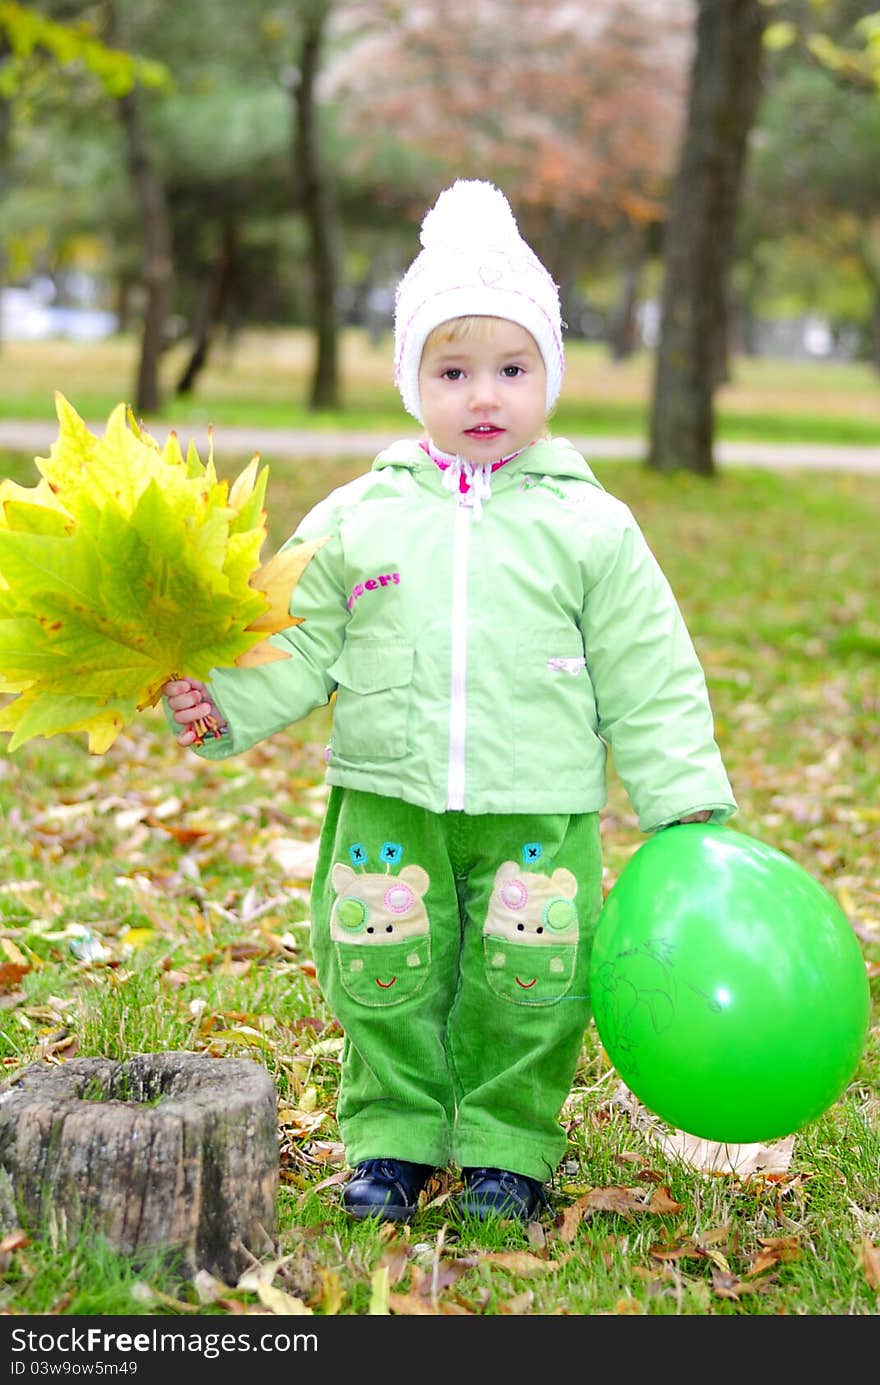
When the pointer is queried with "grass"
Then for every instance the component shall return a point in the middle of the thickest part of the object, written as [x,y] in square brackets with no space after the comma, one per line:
[262,379]
[150,901]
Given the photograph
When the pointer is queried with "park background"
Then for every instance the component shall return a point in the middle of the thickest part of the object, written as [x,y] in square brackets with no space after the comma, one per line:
[203,213]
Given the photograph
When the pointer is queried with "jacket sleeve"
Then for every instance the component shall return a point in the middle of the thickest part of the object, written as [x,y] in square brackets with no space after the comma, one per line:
[257,702]
[652,700]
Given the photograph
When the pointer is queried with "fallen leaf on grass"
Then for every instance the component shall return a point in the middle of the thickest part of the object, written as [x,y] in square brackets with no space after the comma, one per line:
[296,858]
[333,1181]
[628,1308]
[409,1305]
[701,1247]
[519,1304]
[662,1203]
[208,1289]
[708,1156]
[744,1161]
[869,1255]
[241,1034]
[413,1305]
[145,1293]
[297,1122]
[775,1250]
[277,1301]
[379,1293]
[332,1294]
[430,1283]
[14,1240]
[519,1261]
[623,1201]
[11,973]
[725,1284]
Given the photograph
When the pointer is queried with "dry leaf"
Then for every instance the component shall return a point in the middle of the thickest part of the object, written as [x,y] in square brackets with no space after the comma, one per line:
[519,1261]
[10,975]
[410,1305]
[14,953]
[332,1295]
[623,1201]
[711,1157]
[628,1307]
[14,1240]
[678,1250]
[568,1222]
[725,1284]
[277,1301]
[276,580]
[775,1250]
[870,1259]
[663,1204]
[379,1292]
[519,1304]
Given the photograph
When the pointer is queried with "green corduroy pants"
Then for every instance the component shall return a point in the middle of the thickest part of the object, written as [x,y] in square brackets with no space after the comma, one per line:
[454,952]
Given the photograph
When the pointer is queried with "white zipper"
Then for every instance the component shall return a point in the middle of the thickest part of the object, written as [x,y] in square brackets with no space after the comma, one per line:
[461,534]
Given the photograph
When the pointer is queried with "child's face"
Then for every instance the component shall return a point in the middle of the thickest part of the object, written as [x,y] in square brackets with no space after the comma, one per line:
[483,395]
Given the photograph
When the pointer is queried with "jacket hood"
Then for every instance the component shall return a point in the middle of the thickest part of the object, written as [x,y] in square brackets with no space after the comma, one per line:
[554,457]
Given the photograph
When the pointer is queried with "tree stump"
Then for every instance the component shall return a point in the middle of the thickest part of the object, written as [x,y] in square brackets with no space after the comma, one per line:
[171,1152]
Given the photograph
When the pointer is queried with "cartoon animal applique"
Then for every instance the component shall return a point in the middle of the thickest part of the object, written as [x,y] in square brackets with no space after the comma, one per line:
[531,934]
[379,926]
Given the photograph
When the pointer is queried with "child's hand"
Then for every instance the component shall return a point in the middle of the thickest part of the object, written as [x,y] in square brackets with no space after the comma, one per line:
[702,816]
[191,705]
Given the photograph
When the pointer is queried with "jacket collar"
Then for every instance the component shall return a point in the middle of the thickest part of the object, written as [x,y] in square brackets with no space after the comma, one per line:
[554,457]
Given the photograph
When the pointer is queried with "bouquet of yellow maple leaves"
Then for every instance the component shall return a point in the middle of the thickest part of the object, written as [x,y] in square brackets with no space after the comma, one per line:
[126,565]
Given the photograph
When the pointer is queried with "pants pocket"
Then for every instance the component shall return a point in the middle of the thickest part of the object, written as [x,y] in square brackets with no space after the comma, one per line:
[527,974]
[383,974]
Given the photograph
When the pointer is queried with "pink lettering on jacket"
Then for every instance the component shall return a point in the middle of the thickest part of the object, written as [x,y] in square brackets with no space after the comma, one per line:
[382,579]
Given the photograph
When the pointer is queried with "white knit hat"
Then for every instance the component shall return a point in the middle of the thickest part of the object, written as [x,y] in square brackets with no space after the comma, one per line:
[474,262]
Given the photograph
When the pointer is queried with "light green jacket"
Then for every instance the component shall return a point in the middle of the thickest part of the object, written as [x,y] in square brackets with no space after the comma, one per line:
[487,662]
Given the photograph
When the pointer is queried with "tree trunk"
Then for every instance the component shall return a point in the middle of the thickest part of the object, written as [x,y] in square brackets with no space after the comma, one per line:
[692,353]
[315,198]
[171,1153]
[157,258]
[149,196]
[623,323]
[5,132]
[871,262]
[212,308]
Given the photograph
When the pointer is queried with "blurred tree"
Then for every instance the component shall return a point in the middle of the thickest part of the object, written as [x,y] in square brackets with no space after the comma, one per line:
[841,36]
[573,110]
[154,219]
[40,52]
[699,238]
[5,127]
[816,176]
[314,193]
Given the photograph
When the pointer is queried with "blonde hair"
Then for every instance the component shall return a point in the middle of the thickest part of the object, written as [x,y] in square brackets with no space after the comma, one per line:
[476,326]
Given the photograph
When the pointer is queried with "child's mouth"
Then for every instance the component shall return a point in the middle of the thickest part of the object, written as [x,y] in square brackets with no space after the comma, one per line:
[484,430]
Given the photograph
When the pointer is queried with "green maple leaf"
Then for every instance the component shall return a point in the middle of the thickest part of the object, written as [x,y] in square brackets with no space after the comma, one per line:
[127,565]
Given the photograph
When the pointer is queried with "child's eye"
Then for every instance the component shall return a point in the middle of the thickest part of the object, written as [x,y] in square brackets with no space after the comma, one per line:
[511,371]
[453,373]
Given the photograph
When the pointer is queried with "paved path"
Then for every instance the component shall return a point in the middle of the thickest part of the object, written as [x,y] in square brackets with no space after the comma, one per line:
[37,438]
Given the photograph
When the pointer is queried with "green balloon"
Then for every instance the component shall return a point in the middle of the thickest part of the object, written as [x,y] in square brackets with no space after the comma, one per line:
[728,987]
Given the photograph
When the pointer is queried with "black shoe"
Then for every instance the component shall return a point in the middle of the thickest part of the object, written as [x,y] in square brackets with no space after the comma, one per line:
[499,1193]
[385,1188]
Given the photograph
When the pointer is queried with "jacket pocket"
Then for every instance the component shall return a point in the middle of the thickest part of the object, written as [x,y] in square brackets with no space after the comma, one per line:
[373,696]
[554,709]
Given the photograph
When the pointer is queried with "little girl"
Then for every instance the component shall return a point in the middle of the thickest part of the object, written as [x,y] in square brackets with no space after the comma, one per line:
[491,622]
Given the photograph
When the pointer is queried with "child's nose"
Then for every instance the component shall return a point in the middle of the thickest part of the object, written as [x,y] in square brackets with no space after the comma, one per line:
[484,391]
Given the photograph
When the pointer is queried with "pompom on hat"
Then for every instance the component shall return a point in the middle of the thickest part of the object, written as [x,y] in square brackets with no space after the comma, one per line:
[473,262]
